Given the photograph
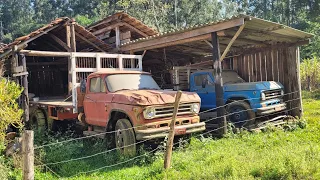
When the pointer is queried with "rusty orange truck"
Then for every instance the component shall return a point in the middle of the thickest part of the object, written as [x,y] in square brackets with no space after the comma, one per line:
[121,99]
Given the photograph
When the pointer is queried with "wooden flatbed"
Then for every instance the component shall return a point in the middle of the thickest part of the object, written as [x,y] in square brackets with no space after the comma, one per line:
[52,102]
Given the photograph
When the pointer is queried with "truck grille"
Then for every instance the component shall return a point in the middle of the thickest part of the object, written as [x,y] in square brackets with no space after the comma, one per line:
[272,94]
[168,110]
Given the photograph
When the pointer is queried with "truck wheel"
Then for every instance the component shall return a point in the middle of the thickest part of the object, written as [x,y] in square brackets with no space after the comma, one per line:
[241,114]
[124,137]
[38,121]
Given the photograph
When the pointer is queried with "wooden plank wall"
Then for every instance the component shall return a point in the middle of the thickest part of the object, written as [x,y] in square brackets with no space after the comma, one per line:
[47,80]
[280,64]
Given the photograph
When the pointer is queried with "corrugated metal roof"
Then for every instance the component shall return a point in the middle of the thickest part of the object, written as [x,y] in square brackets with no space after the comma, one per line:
[253,24]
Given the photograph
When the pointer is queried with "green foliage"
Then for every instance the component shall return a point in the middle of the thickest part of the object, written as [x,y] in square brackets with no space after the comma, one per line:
[310,74]
[10,113]
[83,20]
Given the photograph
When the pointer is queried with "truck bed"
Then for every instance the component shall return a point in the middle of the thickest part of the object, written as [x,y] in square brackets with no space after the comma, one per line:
[52,102]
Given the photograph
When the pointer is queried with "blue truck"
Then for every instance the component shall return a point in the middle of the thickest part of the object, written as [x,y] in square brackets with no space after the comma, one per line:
[244,101]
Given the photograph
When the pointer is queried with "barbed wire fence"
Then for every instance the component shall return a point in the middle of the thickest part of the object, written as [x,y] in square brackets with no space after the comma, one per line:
[47,165]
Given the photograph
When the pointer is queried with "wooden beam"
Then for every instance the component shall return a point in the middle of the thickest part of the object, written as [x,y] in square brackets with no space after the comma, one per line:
[68,36]
[182,41]
[44,53]
[73,37]
[123,36]
[144,53]
[206,41]
[232,41]
[135,29]
[91,43]
[179,38]
[60,42]
[117,37]
[14,61]
[52,46]
[22,45]
[104,21]
[36,36]
[108,28]
[248,49]
[73,49]
[46,63]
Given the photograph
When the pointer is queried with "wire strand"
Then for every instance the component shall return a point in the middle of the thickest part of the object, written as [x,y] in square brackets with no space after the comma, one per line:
[85,157]
[93,155]
[159,148]
[47,167]
[110,132]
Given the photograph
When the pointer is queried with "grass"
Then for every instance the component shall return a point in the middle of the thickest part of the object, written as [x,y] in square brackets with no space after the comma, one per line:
[270,155]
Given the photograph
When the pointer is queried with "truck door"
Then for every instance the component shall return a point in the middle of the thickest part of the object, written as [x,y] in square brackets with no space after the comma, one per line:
[203,84]
[95,102]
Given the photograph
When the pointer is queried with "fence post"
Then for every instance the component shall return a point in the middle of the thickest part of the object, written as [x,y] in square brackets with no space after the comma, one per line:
[168,153]
[28,155]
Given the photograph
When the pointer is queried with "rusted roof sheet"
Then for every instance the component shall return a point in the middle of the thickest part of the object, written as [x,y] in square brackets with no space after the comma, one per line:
[34,33]
[256,29]
[57,22]
[123,17]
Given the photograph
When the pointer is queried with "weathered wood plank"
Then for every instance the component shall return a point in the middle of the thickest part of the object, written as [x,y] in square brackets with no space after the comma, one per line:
[60,42]
[175,39]
[108,28]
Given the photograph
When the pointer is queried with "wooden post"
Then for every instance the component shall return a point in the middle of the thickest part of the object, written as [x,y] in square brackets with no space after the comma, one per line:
[218,82]
[68,35]
[73,49]
[28,155]
[132,60]
[299,79]
[14,62]
[117,38]
[25,91]
[168,153]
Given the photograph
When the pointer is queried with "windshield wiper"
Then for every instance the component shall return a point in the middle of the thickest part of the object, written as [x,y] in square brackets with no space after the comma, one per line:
[147,88]
[122,90]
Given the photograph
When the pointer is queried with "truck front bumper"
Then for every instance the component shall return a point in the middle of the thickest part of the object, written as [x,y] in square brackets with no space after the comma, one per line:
[162,132]
[271,109]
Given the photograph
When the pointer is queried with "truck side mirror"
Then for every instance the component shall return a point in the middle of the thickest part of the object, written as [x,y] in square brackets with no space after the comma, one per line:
[83,85]
[204,82]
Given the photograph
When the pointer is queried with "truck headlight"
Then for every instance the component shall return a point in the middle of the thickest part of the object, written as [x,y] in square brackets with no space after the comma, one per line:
[263,96]
[149,113]
[195,108]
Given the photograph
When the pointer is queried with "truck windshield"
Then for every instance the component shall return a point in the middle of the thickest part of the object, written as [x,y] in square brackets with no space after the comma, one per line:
[117,82]
[231,77]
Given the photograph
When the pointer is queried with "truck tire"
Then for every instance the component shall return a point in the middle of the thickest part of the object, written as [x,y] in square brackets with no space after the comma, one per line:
[240,114]
[38,121]
[125,138]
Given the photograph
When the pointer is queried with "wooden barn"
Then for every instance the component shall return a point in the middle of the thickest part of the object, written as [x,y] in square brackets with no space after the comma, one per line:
[259,50]
[48,72]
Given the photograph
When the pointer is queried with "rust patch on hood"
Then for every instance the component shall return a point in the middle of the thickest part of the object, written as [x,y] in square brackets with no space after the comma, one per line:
[152,97]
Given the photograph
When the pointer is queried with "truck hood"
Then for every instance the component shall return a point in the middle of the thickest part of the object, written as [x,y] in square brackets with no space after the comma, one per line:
[253,86]
[152,97]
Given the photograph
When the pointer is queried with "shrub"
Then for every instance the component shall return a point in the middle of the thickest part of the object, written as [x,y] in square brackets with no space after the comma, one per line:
[10,113]
[310,75]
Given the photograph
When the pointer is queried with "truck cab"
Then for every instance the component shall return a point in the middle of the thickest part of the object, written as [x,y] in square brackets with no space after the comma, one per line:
[244,100]
[131,105]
